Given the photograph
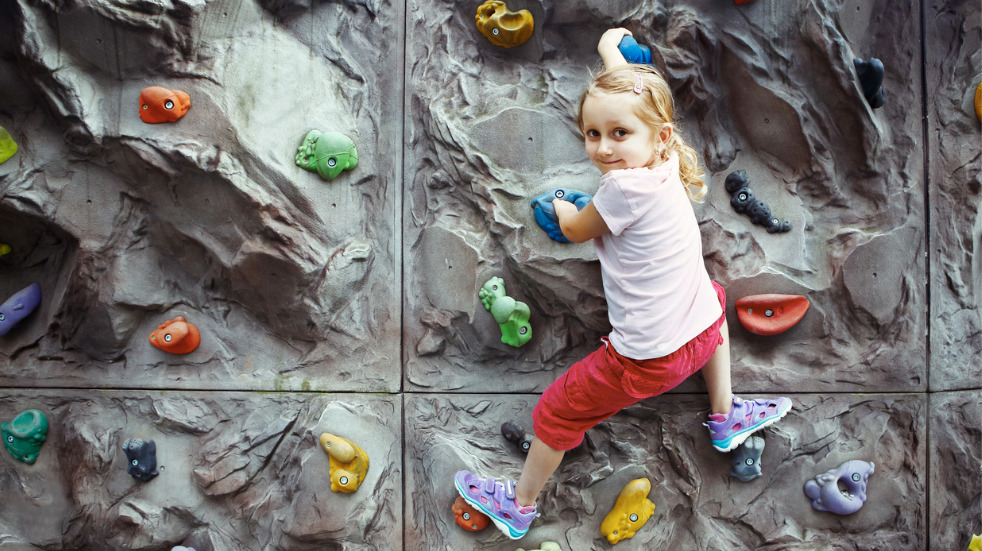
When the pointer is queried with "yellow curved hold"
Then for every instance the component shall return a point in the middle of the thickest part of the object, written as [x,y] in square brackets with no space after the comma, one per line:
[502,26]
[631,510]
[349,463]
[4,249]
[978,102]
[976,543]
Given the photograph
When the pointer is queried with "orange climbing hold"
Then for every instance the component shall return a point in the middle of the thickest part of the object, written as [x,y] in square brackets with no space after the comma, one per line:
[978,102]
[468,517]
[176,336]
[162,105]
[771,314]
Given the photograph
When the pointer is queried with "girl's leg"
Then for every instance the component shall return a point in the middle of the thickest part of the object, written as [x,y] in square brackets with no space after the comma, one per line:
[717,375]
[541,462]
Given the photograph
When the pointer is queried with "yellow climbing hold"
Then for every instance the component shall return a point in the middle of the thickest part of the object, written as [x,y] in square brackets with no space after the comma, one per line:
[976,543]
[630,512]
[349,463]
[4,249]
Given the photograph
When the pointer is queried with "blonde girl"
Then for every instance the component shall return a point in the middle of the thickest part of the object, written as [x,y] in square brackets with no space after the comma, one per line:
[667,317]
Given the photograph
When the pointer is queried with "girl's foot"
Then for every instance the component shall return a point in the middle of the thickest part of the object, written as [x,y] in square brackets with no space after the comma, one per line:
[745,418]
[496,499]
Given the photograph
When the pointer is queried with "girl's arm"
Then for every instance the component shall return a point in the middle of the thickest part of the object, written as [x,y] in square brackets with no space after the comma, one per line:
[579,225]
[607,48]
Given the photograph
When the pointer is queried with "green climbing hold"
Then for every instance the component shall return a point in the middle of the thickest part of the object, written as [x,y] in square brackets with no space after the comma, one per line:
[7,145]
[327,153]
[24,435]
[511,315]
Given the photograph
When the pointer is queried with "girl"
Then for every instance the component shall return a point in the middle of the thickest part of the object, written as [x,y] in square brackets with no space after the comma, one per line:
[667,317]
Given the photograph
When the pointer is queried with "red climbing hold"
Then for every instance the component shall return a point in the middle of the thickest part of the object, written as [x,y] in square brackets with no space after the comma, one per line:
[771,314]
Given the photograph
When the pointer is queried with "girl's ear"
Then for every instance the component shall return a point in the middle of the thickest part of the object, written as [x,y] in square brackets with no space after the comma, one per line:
[666,133]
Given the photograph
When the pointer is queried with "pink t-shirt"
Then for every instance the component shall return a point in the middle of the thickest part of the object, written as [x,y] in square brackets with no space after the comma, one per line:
[659,296]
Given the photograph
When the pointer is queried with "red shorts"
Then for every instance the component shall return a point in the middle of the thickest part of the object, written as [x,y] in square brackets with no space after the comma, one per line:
[606,382]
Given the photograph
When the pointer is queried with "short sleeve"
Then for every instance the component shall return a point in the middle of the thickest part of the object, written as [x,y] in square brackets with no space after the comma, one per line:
[613,205]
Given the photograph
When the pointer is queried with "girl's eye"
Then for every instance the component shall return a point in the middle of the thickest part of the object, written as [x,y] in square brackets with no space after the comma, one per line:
[592,133]
[620,132]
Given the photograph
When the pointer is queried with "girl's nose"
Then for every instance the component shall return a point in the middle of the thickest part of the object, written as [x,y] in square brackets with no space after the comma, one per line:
[604,148]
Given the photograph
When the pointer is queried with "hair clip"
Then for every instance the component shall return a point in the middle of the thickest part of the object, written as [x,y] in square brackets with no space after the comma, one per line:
[637,83]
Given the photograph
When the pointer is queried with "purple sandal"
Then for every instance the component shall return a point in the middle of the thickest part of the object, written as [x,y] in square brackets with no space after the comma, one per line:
[744,419]
[496,499]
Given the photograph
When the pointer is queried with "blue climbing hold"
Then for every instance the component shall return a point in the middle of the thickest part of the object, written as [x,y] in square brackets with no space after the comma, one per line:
[870,75]
[746,459]
[634,52]
[545,213]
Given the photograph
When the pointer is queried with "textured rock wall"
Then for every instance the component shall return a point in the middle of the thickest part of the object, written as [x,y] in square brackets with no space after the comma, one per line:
[351,306]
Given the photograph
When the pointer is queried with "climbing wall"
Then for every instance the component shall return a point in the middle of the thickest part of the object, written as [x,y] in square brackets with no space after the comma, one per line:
[350,306]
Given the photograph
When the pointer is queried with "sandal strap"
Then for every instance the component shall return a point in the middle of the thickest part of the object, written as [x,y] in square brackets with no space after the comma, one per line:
[510,489]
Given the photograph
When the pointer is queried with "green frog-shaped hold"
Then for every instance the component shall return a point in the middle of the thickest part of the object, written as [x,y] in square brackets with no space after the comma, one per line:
[327,153]
[511,315]
[24,435]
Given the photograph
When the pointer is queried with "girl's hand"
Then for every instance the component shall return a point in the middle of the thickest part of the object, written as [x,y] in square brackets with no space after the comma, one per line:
[607,47]
[579,225]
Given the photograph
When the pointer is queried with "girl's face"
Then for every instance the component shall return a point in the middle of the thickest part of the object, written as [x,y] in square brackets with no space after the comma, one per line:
[615,137]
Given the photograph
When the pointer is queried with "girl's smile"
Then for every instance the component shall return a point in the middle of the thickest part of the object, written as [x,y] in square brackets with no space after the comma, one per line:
[615,137]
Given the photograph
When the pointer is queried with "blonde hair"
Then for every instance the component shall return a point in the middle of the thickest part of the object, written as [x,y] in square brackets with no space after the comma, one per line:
[655,108]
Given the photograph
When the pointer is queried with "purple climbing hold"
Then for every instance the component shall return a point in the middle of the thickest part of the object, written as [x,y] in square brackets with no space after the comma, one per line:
[18,307]
[841,490]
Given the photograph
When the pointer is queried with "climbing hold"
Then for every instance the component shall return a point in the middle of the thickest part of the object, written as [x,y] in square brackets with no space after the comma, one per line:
[326,153]
[771,314]
[181,548]
[141,459]
[976,543]
[511,315]
[349,463]
[24,435]
[176,336]
[8,146]
[545,212]
[4,249]
[159,104]
[759,212]
[502,27]
[871,80]
[631,510]
[468,517]
[743,202]
[842,490]
[746,459]
[736,181]
[978,111]
[19,306]
[545,546]
[514,433]
[634,52]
